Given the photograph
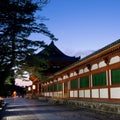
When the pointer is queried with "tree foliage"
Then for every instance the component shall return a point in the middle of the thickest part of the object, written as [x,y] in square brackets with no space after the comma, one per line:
[17,22]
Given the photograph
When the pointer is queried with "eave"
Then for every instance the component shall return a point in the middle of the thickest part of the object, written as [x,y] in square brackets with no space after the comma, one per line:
[109,49]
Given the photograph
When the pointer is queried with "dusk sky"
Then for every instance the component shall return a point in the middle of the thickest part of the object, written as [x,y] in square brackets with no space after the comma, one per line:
[82,25]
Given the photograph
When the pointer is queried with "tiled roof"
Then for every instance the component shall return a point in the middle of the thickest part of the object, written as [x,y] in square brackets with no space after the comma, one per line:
[53,53]
[102,49]
[92,54]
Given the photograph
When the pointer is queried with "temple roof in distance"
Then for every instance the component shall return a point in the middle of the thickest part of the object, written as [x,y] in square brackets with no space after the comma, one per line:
[57,60]
[53,53]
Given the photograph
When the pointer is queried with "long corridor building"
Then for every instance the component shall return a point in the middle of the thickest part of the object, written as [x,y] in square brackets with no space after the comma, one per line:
[95,77]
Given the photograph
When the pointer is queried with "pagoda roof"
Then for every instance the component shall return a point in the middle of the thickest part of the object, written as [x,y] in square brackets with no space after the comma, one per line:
[51,52]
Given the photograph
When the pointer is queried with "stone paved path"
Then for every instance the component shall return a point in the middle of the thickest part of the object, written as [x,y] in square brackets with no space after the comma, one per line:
[24,109]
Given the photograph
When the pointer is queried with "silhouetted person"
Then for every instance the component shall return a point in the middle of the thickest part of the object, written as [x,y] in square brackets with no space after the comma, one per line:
[14,95]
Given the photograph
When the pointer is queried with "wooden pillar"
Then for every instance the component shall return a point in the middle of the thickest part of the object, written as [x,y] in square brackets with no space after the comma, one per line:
[90,79]
[107,61]
[63,89]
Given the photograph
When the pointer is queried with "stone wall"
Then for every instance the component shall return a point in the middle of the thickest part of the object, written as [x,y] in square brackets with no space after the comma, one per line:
[109,107]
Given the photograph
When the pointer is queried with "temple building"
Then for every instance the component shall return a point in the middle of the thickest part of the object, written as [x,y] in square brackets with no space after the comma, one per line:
[95,77]
[55,58]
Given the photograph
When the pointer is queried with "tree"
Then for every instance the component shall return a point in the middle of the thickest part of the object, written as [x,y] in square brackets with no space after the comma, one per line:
[17,22]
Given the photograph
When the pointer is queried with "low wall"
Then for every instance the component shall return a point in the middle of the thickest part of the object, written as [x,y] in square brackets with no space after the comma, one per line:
[43,99]
[93,105]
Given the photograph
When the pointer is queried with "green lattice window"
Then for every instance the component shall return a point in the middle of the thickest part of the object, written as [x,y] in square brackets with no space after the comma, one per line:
[99,79]
[74,84]
[84,82]
[115,76]
[55,87]
[50,88]
[60,86]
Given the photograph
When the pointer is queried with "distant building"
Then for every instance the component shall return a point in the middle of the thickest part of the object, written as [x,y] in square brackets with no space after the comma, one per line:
[56,59]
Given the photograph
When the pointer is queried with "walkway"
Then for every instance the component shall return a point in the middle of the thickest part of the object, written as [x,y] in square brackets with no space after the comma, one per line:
[25,109]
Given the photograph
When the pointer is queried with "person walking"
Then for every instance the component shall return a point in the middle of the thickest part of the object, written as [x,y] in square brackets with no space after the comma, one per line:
[14,95]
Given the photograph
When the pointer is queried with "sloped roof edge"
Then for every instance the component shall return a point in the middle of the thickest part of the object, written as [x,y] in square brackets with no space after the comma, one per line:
[89,56]
[52,51]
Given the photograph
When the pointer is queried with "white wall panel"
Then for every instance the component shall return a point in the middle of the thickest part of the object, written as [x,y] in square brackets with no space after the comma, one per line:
[114,59]
[95,93]
[86,69]
[104,93]
[75,93]
[80,71]
[71,93]
[102,64]
[59,94]
[47,94]
[55,94]
[81,93]
[74,73]
[71,74]
[51,94]
[59,79]
[94,66]
[115,92]
[87,93]
[65,76]
[55,80]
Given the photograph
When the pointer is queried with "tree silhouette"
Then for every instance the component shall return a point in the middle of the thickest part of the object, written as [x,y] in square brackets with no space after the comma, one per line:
[17,22]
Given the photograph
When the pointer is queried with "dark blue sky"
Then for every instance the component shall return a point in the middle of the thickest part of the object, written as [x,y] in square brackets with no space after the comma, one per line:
[82,25]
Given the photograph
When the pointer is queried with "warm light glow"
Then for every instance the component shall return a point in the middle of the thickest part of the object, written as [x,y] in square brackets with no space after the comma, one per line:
[29,88]
[33,87]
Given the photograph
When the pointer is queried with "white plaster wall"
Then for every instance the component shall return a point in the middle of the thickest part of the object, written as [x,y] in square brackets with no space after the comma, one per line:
[71,74]
[71,93]
[51,81]
[65,76]
[114,60]
[55,80]
[95,93]
[81,93]
[59,79]
[87,93]
[51,94]
[86,69]
[94,66]
[75,73]
[80,71]
[104,93]
[102,64]
[59,94]
[75,93]
[47,93]
[115,92]
[55,94]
